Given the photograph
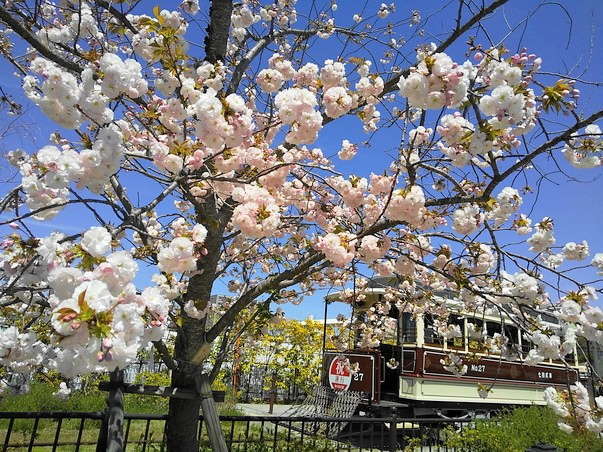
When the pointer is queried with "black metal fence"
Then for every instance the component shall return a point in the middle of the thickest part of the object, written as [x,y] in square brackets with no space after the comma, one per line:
[64,431]
[260,394]
[256,386]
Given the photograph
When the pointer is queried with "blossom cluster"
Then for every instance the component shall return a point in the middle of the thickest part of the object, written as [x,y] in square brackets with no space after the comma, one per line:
[121,77]
[584,151]
[435,82]
[575,409]
[258,214]
[63,99]
[296,108]
[46,175]
[99,320]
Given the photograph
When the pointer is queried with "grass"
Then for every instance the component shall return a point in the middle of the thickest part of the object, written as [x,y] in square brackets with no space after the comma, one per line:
[40,399]
[258,438]
[23,428]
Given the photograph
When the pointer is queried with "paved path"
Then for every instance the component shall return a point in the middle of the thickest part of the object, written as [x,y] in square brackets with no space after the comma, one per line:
[261,409]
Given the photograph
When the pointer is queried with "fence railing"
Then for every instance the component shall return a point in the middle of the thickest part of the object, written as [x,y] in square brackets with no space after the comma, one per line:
[62,431]
[256,386]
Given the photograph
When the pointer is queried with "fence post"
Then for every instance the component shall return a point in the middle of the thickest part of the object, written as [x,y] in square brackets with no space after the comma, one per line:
[101,442]
[111,435]
[393,434]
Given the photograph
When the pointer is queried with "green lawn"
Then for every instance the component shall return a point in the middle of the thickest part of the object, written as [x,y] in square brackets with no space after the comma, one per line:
[258,439]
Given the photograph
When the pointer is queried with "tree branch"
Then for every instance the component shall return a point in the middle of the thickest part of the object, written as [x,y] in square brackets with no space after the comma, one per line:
[541,149]
[33,41]
[165,354]
[391,84]
[268,284]
[117,14]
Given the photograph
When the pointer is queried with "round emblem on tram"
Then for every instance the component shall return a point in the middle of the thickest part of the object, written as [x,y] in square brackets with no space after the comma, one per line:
[340,375]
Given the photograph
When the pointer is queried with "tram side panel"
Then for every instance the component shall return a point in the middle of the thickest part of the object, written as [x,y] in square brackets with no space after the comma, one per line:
[421,380]
[338,374]
[513,383]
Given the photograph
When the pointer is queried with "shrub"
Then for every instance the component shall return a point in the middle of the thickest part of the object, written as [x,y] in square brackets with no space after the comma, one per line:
[147,404]
[153,378]
[517,430]
[40,398]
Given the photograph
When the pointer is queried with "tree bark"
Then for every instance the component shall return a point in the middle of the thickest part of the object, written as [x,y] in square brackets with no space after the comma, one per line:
[183,414]
[183,418]
[218,30]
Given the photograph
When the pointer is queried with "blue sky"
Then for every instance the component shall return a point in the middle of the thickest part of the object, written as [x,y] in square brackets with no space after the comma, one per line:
[574,204]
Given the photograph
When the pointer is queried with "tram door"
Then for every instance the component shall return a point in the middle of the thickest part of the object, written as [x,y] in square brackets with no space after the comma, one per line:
[394,357]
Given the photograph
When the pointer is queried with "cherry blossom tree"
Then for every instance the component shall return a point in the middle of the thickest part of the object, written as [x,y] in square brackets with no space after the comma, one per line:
[215,116]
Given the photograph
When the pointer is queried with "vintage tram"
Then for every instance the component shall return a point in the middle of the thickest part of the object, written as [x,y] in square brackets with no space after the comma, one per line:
[420,386]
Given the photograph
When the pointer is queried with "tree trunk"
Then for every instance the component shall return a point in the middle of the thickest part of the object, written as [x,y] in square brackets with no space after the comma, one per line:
[272,394]
[216,40]
[183,415]
[192,347]
[183,418]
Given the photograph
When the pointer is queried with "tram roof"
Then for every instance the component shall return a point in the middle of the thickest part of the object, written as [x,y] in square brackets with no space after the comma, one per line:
[379,285]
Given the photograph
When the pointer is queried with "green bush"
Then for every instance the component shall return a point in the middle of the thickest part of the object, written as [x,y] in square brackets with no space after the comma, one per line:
[147,404]
[153,378]
[517,430]
[40,398]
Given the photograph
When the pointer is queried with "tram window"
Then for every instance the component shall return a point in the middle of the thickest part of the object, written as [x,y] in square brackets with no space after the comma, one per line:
[582,358]
[526,345]
[567,358]
[391,331]
[431,337]
[390,337]
[409,328]
[492,328]
[457,342]
[357,331]
[570,359]
[511,334]
[549,318]
[475,337]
